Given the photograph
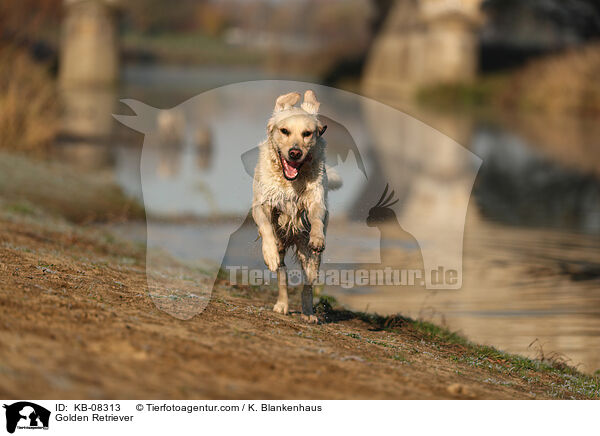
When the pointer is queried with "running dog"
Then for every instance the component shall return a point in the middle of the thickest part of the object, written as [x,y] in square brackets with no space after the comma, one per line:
[290,193]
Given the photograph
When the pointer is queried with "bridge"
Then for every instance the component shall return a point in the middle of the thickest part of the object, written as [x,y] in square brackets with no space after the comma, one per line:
[421,42]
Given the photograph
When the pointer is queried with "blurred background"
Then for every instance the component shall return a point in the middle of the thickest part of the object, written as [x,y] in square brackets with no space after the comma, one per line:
[514,81]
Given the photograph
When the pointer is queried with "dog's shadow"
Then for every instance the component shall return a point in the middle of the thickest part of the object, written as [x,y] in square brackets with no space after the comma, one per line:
[332,315]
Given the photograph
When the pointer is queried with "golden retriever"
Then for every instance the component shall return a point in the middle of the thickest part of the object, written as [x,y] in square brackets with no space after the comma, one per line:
[290,193]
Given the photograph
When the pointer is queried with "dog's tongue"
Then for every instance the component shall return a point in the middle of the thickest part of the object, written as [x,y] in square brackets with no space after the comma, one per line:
[290,168]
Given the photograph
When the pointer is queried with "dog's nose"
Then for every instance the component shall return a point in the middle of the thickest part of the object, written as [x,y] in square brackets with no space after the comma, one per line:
[295,153]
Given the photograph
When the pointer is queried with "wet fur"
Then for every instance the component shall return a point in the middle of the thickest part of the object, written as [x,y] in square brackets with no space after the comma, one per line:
[278,202]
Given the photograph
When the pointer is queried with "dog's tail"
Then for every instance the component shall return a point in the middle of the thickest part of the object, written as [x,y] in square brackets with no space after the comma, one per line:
[334,180]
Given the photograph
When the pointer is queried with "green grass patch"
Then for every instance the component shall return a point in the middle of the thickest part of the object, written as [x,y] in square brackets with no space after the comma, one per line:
[568,381]
[192,48]
[20,208]
[483,92]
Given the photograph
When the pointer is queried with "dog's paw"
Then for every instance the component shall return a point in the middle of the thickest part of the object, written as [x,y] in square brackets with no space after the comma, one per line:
[316,243]
[310,319]
[281,307]
[271,256]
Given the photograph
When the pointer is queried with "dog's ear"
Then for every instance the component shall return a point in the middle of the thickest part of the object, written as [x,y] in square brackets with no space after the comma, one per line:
[310,103]
[321,127]
[286,101]
[270,126]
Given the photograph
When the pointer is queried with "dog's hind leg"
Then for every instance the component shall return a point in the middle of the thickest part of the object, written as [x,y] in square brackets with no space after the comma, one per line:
[310,262]
[307,305]
[282,300]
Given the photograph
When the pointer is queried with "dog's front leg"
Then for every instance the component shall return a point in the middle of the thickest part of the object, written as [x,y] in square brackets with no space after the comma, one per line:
[262,217]
[317,216]
[282,300]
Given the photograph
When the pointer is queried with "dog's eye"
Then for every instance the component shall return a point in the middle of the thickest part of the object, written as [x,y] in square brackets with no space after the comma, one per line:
[284,131]
[307,133]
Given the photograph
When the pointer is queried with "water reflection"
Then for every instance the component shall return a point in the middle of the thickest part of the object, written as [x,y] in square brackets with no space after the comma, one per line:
[87,126]
[520,185]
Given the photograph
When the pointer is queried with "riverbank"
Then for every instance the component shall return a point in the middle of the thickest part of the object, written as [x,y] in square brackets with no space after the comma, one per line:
[558,85]
[77,322]
[183,49]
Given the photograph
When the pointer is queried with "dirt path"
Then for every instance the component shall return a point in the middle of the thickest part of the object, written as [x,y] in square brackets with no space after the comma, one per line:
[76,322]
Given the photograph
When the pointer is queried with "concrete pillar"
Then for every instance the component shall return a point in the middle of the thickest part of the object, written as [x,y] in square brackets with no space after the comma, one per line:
[89,45]
[423,42]
[88,73]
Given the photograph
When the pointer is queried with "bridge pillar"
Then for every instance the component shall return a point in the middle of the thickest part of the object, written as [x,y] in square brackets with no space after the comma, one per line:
[424,42]
[88,74]
[89,52]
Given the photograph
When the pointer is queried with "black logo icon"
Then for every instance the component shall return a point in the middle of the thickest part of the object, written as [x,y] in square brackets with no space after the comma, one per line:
[26,415]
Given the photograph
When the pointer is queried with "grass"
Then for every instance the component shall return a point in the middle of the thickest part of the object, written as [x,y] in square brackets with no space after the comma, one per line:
[568,381]
[28,104]
[560,84]
[191,48]
[30,187]
[483,92]
[565,83]
[20,208]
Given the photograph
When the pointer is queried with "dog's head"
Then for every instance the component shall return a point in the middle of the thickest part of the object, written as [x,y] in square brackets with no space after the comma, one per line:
[295,132]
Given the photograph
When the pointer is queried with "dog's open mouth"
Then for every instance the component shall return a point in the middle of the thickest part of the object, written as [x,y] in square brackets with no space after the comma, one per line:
[290,169]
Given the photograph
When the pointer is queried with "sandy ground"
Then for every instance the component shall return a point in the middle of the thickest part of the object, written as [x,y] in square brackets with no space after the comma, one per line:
[76,321]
